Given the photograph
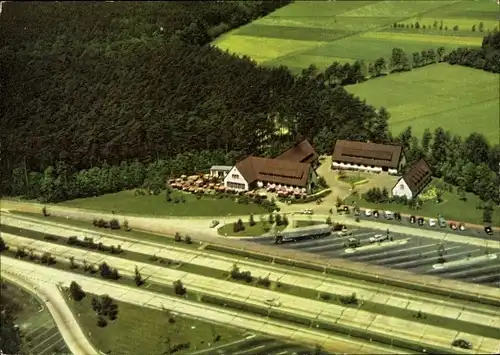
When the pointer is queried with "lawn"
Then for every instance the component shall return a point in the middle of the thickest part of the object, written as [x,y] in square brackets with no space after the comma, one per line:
[141,330]
[320,33]
[452,208]
[249,231]
[435,96]
[125,202]
[305,223]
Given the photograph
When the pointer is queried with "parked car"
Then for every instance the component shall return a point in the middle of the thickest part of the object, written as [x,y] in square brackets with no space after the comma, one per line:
[214,224]
[432,222]
[378,238]
[353,243]
[375,214]
[461,343]
[272,302]
[397,216]
[368,213]
[453,226]
[461,227]
[413,219]
[344,233]
[442,222]
[346,210]
[488,230]
[420,221]
[388,215]
[307,211]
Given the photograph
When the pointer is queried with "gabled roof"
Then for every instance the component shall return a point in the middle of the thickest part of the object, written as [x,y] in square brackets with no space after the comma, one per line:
[273,170]
[381,155]
[418,176]
[302,152]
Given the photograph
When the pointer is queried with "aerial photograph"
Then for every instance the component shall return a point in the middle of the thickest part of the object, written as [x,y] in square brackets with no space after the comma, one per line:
[254,177]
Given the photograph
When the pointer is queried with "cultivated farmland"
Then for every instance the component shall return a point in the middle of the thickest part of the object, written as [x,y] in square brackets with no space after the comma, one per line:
[312,32]
[461,99]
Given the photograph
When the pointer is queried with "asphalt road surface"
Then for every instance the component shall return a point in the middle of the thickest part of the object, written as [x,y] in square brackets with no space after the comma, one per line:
[257,345]
[478,263]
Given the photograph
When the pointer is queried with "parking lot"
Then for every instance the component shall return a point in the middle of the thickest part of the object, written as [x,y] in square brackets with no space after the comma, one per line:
[476,263]
[256,345]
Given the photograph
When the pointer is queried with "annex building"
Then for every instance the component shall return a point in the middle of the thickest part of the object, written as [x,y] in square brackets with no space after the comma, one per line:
[369,157]
[414,181]
[294,168]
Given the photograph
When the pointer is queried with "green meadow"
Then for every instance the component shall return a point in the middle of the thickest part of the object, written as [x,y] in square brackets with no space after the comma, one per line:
[461,99]
[322,32]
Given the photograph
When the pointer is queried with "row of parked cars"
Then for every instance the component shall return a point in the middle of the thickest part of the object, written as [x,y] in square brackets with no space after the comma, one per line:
[432,222]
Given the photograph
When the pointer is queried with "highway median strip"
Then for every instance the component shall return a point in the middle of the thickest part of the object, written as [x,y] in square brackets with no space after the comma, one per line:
[270,312]
[306,293]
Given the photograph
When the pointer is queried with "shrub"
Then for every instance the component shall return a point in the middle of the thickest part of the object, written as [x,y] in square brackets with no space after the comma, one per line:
[351,299]
[179,288]
[251,221]
[264,281]
[114,224]
[178,237]
[188,240]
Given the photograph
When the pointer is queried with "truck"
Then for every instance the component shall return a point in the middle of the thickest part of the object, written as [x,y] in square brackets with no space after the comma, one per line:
[303,233]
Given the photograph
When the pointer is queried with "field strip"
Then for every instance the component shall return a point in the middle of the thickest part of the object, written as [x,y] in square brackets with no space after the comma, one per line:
[413,37]
[391,299]
[194,310]
[353,318]
[285,275]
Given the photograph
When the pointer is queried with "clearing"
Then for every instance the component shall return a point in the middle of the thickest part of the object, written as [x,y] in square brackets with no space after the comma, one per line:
[141,330]
[438,95]
[126,202]
[320,33]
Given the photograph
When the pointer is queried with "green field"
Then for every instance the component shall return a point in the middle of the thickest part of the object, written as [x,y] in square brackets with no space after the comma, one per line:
[141,330]
[312,32]
[126,202]
[460,99]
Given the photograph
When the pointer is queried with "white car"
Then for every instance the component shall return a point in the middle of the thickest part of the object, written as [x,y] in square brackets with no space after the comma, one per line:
[368,213]
[378,238]
[432,222]
[388,215]
[461,227]
[273,303]
[307,211]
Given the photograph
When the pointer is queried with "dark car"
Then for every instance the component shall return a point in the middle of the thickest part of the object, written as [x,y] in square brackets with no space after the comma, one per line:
[461,343]
[453,226]
[375,214]
[421,221]
[397,216]
[412,219]
[353,243]
[488,230]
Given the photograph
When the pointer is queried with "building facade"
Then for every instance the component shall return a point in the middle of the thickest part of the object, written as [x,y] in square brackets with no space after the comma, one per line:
[413,181]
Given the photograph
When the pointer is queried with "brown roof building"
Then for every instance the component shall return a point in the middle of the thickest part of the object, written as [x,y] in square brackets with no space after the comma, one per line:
[368,156]
[302,152]
[246,173]
[414,181]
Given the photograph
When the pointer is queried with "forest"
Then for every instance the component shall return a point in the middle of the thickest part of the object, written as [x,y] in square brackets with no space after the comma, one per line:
[120,95]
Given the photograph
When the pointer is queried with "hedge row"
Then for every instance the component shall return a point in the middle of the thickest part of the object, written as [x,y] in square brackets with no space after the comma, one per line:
[323,325]
[357,275]
[308,199]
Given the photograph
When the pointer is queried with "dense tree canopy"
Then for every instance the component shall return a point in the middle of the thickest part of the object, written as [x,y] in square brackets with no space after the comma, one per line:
[88,84]
[487,57]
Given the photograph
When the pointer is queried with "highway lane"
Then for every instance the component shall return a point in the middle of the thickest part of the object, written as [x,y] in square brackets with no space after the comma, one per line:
[415,254]
[353,318]
[376,292]
[50,277]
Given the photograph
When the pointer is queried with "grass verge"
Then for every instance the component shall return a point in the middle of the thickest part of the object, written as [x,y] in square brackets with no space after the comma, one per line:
[306,293]
[142,330]
[256,230]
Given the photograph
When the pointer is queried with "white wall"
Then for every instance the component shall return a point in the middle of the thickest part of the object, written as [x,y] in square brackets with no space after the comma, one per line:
[402,189]
[347,166]
[237,178]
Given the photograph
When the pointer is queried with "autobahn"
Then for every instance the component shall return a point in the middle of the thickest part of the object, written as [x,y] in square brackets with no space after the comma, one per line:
[466,259]
[315,309]
[48,278]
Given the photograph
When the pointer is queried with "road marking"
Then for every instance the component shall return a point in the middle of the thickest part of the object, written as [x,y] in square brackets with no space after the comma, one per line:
[376,246]
[42,326]
[419,256]
[393,252]
[250,350]
[468,261]
[50,346]
[465,272]
[46,340]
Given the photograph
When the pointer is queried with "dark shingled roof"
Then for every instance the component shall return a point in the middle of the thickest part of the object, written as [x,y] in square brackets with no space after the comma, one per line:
[361,153]
[302,152]
[418,176]
[273,170]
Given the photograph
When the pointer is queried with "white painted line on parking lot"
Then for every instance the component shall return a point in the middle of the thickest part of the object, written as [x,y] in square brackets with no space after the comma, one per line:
[228,345]
[475,260]
[50,346]
[250,350]
[420,255]
[42,326]
[46,340]
[369,256]
[377,245]
[475,270]
[419,259]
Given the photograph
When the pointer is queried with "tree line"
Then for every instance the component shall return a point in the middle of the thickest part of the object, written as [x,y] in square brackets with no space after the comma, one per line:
[95,90]
[487,57]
